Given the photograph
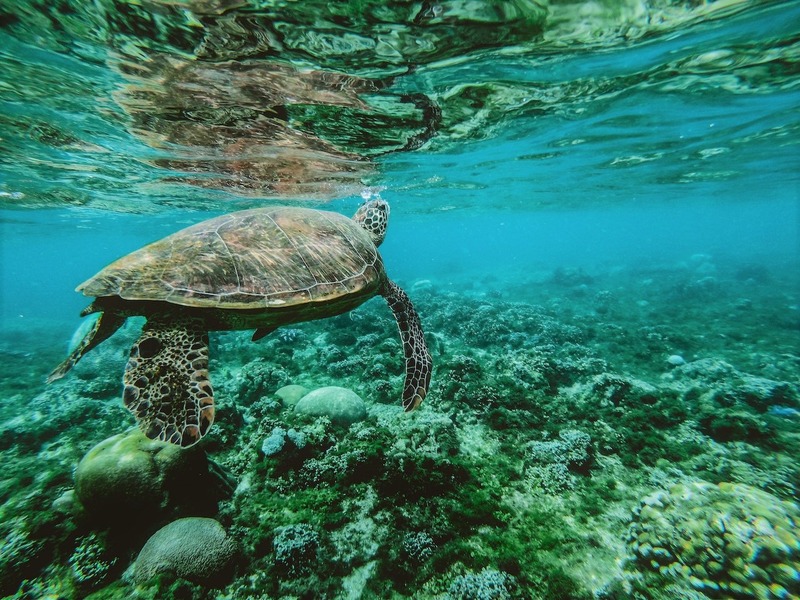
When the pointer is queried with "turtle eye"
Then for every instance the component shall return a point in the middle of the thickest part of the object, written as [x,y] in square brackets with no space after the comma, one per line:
[149,347]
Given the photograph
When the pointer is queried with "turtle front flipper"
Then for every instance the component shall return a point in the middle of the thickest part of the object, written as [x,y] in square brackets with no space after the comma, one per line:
[166,380]
[104,327]
[418,359]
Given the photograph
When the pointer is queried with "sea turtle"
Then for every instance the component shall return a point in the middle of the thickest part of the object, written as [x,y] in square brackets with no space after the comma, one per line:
[253,269]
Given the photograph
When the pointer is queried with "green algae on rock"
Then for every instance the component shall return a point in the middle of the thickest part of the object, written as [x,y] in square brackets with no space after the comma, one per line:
[128,480]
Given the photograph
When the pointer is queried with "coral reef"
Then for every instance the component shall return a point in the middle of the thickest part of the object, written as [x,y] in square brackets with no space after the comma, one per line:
[275,442]
[295,547]
[18,553]
[548,421]
[552,460]
[728,540]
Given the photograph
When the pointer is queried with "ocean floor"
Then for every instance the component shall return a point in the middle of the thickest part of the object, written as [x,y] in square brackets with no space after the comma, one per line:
[619,433]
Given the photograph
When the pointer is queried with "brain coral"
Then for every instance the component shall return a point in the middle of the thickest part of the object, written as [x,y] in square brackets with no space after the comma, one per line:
[193,548]
[726,541]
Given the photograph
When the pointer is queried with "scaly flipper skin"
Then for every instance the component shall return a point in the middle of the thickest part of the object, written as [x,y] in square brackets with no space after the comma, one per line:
[103,328]
[166,380]
[418,359]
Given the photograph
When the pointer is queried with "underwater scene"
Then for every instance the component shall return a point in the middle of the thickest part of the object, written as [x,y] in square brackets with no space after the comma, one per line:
[449,300]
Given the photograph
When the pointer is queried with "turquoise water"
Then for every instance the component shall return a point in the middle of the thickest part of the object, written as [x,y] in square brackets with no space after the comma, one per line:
[594,209]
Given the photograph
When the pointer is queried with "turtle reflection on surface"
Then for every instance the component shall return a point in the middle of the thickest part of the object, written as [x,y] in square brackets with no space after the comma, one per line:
[229,122]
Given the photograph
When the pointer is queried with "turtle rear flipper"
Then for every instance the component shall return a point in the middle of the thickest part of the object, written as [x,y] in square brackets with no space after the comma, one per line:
[104,327]
[418,359]
[166,380]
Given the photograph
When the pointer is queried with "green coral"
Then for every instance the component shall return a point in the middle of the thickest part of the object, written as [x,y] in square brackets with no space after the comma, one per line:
[90,563]
[726,540]
[17,551]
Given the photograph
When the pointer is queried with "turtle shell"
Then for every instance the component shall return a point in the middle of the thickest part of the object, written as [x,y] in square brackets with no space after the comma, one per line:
[252,259]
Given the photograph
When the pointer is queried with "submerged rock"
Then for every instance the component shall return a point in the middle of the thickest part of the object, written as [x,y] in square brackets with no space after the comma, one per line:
[289,395]
[66,503]
[341,405]
[194,548]
[676,360]
[129,479]
[761,393]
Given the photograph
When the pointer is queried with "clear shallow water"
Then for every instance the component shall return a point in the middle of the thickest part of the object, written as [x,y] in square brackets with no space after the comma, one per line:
[451,247]
[579,191]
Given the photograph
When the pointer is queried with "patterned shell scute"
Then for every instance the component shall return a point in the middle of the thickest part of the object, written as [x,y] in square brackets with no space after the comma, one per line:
[248,260]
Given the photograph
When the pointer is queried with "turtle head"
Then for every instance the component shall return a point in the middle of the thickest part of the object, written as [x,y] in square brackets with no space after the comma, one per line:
[373,216]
